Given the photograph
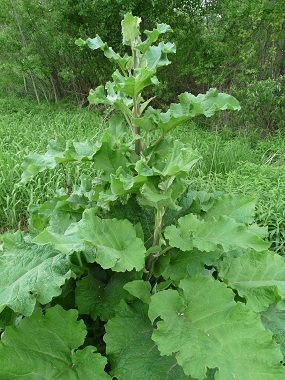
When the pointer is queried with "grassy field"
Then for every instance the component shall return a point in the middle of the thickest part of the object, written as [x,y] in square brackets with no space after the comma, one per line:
[27,127]
[232,162]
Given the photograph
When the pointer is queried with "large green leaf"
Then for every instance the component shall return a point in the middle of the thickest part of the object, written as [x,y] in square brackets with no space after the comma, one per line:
[45,347]
[30,274]
[258,277]
[58,151]
[208,236]
[116,243]
[204,327]
[236,206]
[188,107]
[131,352]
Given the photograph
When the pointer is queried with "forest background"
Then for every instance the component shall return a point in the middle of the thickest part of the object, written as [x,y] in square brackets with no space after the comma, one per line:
[234,45]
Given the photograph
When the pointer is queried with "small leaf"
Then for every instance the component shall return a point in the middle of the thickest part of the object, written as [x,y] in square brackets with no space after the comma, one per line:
[58,151]
[109,159]
[8,318]
[151,196]
[140,289]
[171,157]
[95,43]
[152,36]
[126,183]
[156,56]
[204,327]
[80,42]
[130,29]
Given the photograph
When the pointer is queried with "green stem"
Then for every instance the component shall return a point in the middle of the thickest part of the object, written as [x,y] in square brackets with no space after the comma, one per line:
[157,225]
[161,136]
[137,130]
[156,238]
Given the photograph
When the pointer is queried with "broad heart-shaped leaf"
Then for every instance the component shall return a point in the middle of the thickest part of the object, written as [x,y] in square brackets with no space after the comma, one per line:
[58,151]
[188,107]
[116,243]
[99,299]
[130,29]
[236,206]
[31,273]
[131,352]
[274,320]
[258,277]
[44,347]
[204,327]
[223,232]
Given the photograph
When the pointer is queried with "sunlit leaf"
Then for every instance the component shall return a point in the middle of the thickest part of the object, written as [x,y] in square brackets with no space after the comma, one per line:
[222,232]
[204,327]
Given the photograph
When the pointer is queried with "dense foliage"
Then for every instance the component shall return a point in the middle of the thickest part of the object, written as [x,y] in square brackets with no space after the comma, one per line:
[131,273]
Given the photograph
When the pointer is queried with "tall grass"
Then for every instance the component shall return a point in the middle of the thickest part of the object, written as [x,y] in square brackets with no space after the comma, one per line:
[25,127]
